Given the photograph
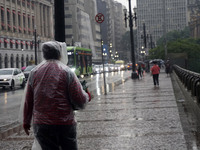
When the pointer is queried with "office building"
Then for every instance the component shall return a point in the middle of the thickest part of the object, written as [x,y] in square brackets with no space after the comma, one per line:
[19,19]
[155,18]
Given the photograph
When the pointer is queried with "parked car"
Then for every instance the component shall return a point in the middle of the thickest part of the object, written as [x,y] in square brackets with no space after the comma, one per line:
[27,71]
[11,77]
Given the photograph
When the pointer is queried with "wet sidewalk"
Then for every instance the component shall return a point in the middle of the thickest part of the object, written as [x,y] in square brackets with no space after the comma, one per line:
[134,116]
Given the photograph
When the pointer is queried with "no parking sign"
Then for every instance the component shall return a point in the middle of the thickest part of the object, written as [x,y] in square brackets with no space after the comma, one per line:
[99,18]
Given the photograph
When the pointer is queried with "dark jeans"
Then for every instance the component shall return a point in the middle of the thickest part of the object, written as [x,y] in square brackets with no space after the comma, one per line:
[54,137]
[155,79]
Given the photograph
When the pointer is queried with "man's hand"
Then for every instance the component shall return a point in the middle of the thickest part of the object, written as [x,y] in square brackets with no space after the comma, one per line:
[26,128]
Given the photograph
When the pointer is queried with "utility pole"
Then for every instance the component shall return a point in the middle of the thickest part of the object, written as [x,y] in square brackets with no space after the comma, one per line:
[35,36]
[164,29]
[131,17]
[59,20]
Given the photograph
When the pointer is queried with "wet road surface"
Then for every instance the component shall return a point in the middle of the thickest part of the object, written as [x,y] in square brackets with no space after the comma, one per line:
[134,115]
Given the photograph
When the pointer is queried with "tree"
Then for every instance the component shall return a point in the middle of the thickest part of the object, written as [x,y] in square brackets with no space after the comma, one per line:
[174,35]
[126,43]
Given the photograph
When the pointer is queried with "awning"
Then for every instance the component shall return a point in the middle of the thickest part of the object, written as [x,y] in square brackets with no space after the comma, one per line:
[9,26]
[14,12]
[15,27]
[22,42]
[8,10]
[11,41]
[6,41]
[17,42]
[2,8]
[20,28]
[27,43]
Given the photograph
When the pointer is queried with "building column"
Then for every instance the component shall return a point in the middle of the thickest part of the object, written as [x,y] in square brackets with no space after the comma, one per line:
[46,22]
[42,20]
[5,16]
[51,22]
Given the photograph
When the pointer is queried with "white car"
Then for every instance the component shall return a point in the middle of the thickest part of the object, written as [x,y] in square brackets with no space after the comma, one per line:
[11,77]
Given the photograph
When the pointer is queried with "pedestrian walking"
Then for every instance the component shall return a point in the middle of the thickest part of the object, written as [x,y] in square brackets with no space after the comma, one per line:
[140,71]
[167,67]
[53,92]
[155,70]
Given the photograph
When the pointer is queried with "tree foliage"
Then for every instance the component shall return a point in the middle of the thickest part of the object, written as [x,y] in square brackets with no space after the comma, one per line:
[177,42]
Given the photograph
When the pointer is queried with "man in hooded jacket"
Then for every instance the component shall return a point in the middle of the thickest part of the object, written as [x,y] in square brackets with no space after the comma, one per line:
[52,92]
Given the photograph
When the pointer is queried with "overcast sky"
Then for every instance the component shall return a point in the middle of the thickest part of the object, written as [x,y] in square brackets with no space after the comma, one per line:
[125,3]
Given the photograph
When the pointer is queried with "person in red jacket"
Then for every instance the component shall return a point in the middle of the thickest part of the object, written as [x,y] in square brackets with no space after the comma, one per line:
[155,70]
[52,93]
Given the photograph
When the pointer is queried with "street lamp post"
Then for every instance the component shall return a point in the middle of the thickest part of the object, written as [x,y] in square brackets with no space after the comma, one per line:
[35,36]
[131,17]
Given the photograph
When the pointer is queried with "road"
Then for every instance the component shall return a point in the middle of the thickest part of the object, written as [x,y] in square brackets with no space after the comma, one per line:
[10,101]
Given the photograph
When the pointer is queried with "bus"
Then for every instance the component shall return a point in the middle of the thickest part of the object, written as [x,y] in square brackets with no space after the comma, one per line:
[80,60]
[120,64]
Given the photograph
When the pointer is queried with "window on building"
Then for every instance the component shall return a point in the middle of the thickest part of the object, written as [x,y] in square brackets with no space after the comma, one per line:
[6,61]
[19,2]
[68,26]
[24,23]
[29,25]
[23,3]
[5,43]
[22,45]
[68,16]
[19,22]
[17,44]
[32,4]
[14,22]
[68,35]
[17,61]
[8,19]
[2,18]
[32,45]
[0,61]
[11,43]
[26,45]
[12,61]
[22,60]
[33,23]
[27,60]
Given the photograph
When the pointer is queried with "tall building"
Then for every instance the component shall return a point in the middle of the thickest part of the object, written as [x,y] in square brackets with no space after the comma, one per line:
[157,17]
[19,19]
[91,9]
[80,27]
[113,26]
[120,29]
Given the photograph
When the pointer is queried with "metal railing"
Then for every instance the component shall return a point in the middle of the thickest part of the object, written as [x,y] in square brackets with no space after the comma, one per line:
[190,79]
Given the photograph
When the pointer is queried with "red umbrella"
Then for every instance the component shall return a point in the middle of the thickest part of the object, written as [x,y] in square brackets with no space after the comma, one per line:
[23,68]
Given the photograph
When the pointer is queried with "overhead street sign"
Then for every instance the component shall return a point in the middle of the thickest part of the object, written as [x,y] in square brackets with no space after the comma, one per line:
[99,18]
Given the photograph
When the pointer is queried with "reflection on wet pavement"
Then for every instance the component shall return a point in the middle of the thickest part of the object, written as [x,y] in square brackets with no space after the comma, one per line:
[133,115]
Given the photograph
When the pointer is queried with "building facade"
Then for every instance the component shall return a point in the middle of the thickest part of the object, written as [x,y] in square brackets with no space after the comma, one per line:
[194,17]
[157,17]
[113,26]
[19,21]
[80,26]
